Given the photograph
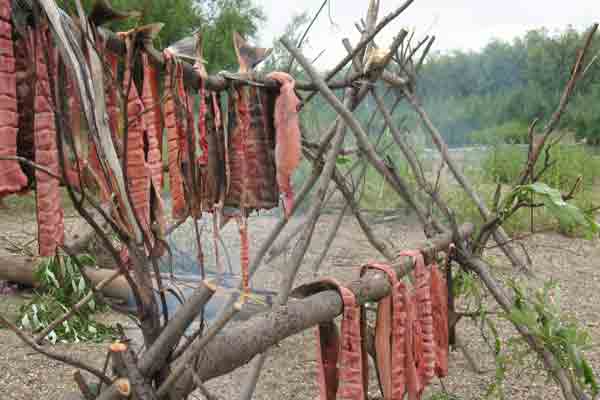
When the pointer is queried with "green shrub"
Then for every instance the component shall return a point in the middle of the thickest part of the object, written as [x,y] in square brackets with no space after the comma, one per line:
[504,164]
[61,287]
[511,132]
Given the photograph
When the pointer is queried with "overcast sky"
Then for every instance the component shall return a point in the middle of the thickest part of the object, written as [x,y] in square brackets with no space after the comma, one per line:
[457,24]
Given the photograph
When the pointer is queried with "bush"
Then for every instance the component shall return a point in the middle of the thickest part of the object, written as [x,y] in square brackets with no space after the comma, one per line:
[511,132]
[505,163]
[61,287]
[543,219]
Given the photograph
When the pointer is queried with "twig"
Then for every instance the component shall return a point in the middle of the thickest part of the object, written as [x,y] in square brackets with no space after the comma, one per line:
[331,235]
[480,267]
[397,183]
[55,356]
[442,147]
[42,335]
[362,44]
[301,41]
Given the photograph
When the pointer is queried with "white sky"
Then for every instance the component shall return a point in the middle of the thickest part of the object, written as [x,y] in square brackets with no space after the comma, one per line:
[457,24]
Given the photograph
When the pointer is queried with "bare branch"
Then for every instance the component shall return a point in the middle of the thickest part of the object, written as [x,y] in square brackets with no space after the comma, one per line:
[55,356]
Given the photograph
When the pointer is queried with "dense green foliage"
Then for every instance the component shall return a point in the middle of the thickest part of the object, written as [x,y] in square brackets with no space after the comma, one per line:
[475,97]
[217,18]
[222,18]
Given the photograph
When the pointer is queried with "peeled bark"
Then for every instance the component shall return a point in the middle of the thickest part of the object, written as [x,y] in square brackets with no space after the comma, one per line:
[92,152]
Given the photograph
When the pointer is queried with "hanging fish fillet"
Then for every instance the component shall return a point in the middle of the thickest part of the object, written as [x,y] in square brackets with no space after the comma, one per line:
[244,254]
[138,177]
[288,145]
[252,180]
[413,382]
[25,74]
[153,124]
[390,336]
[238,157]
[152,120]
[12,178]
[191,167]
[212,162]
[425,343]
[173,143]
[49,210]
[439,306]
[421,343]
[202,114]
[342,369]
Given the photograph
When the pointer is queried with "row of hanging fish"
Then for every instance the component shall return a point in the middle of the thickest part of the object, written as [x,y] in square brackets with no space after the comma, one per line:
[411,336]
[27,124]
[238,154]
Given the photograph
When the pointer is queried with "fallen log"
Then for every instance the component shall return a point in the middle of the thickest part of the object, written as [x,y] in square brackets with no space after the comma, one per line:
[23,270]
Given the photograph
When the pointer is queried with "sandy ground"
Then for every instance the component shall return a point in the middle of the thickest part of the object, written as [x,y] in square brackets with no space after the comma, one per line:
[290,370]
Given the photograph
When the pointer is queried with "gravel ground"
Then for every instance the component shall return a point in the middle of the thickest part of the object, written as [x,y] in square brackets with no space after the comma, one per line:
[290,369]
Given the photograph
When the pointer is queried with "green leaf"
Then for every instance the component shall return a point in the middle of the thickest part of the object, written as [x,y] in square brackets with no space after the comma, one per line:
[25,322]
[81,286]
[590,378]
[86,259]
[523,317]
[575,360]
[52,277]
[342,160]
[568,214]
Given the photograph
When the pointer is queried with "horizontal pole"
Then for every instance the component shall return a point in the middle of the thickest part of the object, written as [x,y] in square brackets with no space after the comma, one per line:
[222,81]
[236,346]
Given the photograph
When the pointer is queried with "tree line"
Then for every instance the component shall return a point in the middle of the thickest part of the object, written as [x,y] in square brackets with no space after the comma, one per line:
[492,95]
[217,19]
